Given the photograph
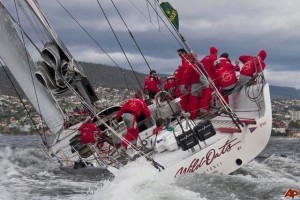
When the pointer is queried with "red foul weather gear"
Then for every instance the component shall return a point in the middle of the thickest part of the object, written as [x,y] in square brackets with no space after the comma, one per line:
[192,84]
[170,85]
[176,75]
[205,99]
[88,130]
[152,84]
[182,80]
[208,64]
[227,79]
[253,64]
[134,108]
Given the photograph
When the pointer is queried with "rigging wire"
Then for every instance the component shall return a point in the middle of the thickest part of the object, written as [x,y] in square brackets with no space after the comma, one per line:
[23,31]
[148,12]
[34,23]
[178,34]
[139,48]
[28,62]
[166,38]
[130,33]
[134,73]
[97,44]
[156,15]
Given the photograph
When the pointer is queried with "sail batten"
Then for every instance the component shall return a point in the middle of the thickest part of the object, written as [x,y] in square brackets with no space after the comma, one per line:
[19,63]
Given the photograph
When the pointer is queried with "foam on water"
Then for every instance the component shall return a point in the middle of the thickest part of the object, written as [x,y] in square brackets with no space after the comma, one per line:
[26,173]
[140,180]
[254,181]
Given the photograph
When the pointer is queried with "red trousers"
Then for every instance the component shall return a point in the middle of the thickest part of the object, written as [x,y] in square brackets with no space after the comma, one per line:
[205,99]
[132,131]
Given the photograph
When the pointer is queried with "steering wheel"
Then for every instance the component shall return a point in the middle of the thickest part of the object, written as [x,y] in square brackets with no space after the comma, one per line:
[113,122]
[162,98]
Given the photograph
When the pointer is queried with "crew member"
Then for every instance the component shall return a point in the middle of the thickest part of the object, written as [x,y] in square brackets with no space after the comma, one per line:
[252,66]
[151,85]
[170,85]
[195,82]
[91,134]
[182,79]
[130,111]
[208,65]
[225,71]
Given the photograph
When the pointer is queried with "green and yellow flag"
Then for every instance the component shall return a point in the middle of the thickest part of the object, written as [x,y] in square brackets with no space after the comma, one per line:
[171,14]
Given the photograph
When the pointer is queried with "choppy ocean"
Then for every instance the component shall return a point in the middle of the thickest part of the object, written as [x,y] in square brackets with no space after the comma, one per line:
[27,174]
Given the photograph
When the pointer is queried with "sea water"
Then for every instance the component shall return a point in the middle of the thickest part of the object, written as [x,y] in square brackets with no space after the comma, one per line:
[27,174]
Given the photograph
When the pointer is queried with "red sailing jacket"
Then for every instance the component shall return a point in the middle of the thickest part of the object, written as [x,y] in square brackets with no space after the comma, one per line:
[183,72]
[87,132]
[225,71]
[170,84]
[151,83]
[253,64]
[134,106]
[191,76]
[176,75]
[208,64]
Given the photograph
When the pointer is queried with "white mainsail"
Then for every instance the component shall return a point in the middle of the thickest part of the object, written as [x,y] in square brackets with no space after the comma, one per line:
[19,63]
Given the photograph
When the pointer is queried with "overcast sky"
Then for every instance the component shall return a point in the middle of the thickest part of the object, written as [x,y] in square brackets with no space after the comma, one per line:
[234,26]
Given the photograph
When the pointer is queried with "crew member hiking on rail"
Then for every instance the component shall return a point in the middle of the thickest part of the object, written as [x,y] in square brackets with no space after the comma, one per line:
[252,66]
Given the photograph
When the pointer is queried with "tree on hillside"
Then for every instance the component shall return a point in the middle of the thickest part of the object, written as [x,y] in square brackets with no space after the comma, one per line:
[294,124]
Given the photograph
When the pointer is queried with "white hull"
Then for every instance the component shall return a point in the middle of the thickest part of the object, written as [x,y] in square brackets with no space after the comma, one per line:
[222,153]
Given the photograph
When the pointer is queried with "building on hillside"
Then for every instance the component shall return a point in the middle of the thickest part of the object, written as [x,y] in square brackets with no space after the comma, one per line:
[295,115]
[280,130]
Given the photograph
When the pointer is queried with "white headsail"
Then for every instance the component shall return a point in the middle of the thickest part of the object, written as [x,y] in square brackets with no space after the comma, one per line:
[19,63]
